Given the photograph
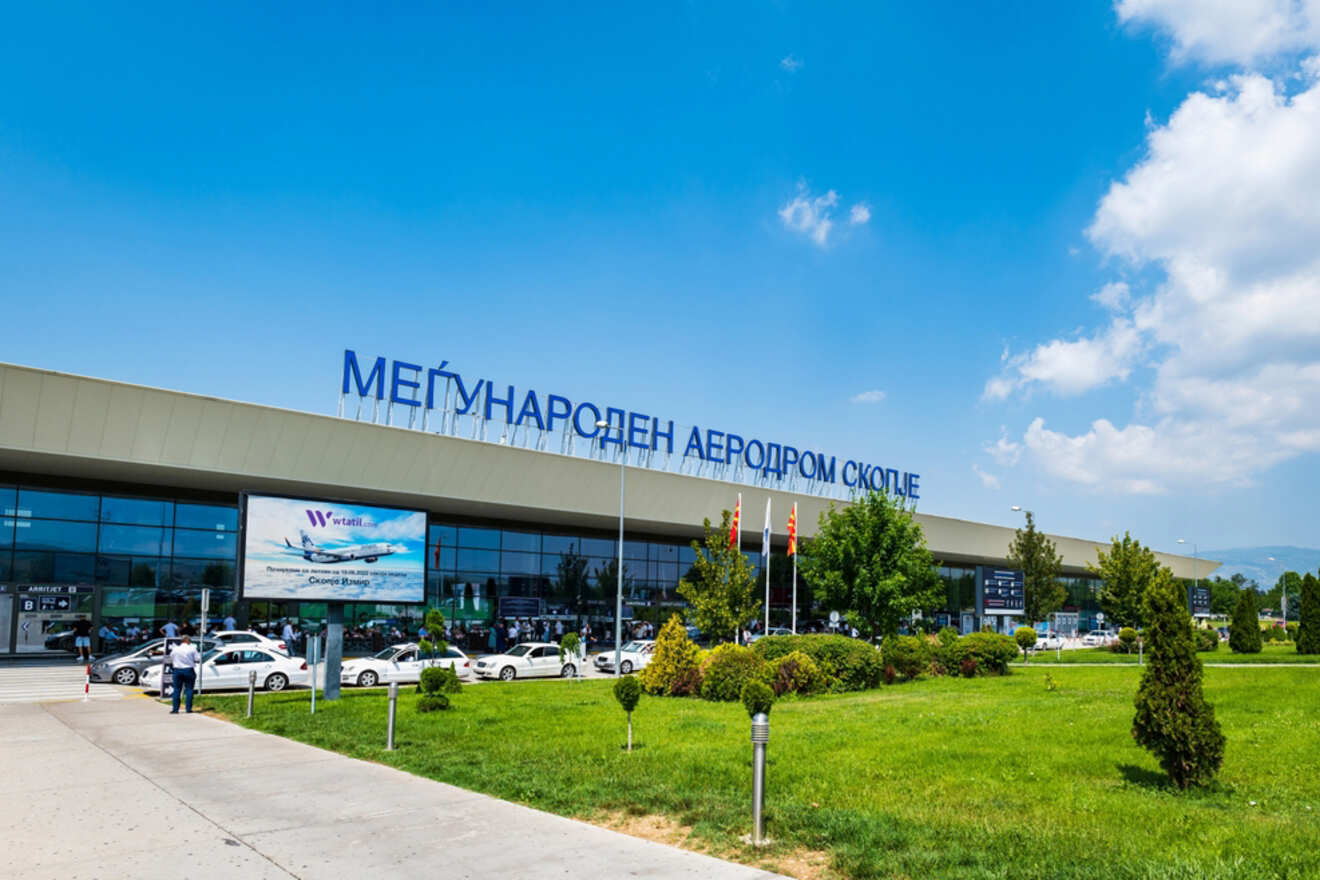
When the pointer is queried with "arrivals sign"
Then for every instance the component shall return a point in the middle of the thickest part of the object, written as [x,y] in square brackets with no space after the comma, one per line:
[1200,601]
[327,551]
[439,400]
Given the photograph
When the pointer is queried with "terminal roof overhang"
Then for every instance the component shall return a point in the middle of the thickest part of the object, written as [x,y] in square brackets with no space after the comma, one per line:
[79,427]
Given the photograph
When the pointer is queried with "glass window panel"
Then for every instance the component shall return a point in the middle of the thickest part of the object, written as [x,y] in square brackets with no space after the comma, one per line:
[664,552]
[480,560]
[446,535]
[634,549]
[6,566]
[686,555]
[6,533]
[206,516]
[113,570]
[447,557]
[201,573]
[520,563]
[137,540]
[35,567]
[61,505]
[550,564]
[7,496]
[216,545]
[481,539]
[147,571]
[137,511]
[74,568]
[560,543]
[48,534]
[527,541]
[667,573]
[597,547]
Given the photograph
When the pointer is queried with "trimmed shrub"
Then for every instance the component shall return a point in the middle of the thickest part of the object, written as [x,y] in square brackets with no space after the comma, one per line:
[909,655]
[727,668]
[796,673]
[568,647]
[1308,616]
[628,690]
[432,703]
[1173,720]
[992,652]
[847,664]
[1127,639]
[757,697]
[674,662]
[1291,631]
[967,666]
[439,680]
[1207,640]
[889,674]
[1244,630]
[945,650]
[1025,637]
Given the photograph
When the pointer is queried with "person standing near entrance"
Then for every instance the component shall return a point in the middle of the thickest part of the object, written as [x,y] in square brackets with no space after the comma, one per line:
[170,630]
[185,659]
[82,639]
[288,636]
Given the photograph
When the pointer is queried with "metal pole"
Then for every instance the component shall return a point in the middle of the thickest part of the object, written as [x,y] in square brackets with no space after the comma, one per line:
[794,590]
[252,690]
[767,594]
[760,737]
[618,603]
[394,702]
[316,653]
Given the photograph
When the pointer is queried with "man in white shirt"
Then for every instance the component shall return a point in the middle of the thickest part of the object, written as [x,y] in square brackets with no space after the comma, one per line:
[288,635]
[230,623]
[170,630]
[185,660]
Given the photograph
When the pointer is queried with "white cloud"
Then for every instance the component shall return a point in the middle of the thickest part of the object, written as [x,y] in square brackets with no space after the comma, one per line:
[1233,31]
[868,397]
[810,216]
[1070,367]
[859,214]
[990,481]
[1005,452]
[1225,203]
[1114,296]
[790,63]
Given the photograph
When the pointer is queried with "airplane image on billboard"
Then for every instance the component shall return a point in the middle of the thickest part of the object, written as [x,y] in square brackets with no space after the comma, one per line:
[310,551]
[344,552]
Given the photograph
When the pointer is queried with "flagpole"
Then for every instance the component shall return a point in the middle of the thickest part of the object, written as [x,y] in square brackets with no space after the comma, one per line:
[795,591]
[766,548]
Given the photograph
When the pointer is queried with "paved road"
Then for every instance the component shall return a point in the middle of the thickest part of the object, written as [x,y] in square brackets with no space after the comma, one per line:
[121,788]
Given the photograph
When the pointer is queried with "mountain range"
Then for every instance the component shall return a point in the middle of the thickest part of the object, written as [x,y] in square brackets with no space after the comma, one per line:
[1255,563]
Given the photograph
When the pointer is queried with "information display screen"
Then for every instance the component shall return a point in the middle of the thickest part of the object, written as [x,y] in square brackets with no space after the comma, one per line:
[329,551]
[1003,591]
[1200,601]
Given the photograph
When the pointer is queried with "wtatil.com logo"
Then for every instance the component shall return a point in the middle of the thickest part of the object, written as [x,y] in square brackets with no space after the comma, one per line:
[322,518]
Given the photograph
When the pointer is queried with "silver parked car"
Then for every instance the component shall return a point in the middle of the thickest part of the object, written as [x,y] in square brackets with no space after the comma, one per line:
[126,667]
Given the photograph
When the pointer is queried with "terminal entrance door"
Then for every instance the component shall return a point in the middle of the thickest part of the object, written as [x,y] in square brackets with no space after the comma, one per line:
[44,616]
[6,619]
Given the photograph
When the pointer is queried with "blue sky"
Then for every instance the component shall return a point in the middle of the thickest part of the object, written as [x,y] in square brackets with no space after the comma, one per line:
[1025,226]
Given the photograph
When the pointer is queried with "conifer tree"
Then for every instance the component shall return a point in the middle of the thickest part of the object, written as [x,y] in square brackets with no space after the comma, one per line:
[1173,720]
[1308,616]
[1244,630]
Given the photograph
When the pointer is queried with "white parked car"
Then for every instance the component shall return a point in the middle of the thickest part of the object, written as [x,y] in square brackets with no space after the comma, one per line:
[248,639]
[1099,638]
[1049,642]
[401,663]
[227,669]
[528,660]
[633,656]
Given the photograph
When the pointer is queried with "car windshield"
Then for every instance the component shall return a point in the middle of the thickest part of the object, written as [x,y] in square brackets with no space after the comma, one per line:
[385,654]
[210,655]
[634,646]
[518,650]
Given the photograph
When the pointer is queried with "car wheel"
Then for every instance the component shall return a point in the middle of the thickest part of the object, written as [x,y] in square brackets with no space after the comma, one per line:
[126,675]
[568,671]
[277,682]
[507,674]
[368,679]
[626,667]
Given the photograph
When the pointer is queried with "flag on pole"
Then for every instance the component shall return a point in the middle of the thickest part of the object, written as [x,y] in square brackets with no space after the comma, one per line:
[792,531]
[765,536]
[733,532]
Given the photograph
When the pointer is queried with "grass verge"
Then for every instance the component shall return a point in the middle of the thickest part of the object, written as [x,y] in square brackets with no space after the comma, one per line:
[941,778]
[1269,654]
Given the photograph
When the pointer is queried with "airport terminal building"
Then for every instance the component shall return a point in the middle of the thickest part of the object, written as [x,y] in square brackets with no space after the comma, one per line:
[122,502]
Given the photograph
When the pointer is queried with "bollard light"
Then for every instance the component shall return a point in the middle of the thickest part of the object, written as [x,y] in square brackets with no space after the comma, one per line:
[252,690]
[760,738]
[394,702]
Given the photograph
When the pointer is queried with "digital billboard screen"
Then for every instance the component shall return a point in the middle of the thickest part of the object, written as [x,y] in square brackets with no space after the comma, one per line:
[328,551]
[1003,591]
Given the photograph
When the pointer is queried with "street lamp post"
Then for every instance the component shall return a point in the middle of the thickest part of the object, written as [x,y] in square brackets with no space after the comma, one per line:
[618,599]
[1283,593]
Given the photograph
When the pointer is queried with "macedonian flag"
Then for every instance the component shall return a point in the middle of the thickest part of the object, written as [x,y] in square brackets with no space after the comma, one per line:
[733,530]
[792,531]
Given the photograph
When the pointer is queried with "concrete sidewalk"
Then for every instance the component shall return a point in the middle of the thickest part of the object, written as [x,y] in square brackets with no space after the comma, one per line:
[124,789]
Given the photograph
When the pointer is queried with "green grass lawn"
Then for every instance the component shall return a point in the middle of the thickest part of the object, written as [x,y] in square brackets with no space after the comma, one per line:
[1269,654]
[941,778]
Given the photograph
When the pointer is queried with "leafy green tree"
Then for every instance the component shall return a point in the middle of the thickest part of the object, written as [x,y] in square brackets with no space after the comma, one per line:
[1223,596]
[1289,583]
[434,643]
[1025,637]
[1308,616]
[1244,630]
[1173,720]
[870,558]
[627,690]
[1125,573]
[1037,557]
[721,585]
